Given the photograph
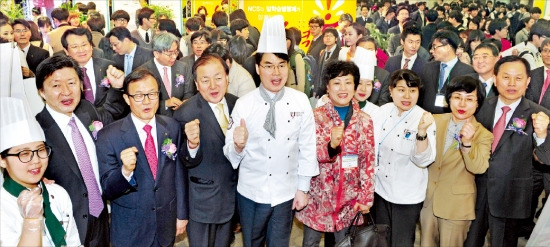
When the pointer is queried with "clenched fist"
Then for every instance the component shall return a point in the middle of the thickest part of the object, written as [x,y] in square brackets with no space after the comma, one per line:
[115,76]
[467,133]
[129,159]
[424,123]
[192,131]
[30,203]
[240,136]
[540,124]
[336,136]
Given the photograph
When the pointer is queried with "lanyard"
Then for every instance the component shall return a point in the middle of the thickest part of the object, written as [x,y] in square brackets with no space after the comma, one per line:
[441,84]
[387,134]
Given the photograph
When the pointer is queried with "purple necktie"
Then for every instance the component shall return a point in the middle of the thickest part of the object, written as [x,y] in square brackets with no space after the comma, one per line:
[88,92]
[151,151]
[85,165]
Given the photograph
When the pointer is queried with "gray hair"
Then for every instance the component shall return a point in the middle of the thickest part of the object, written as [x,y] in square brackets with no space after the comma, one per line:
[163,42]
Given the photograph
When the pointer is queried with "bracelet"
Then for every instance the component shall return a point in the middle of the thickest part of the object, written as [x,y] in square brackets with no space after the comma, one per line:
[464,146]
[421,138]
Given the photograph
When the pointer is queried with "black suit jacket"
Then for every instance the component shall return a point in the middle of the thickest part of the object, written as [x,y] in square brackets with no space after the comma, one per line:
[508,182]
[361,21]
[316,47]
[182,92]
[35,56]
[382,95]
[428,32]
[318,88]
[394,63]
[420,22]
[535,87]
[212,179]
[492,92]
[430,80]
[141,56]
[63,168]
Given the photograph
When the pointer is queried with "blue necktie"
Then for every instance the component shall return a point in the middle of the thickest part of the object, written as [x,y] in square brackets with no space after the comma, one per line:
[442,76]
[128,62]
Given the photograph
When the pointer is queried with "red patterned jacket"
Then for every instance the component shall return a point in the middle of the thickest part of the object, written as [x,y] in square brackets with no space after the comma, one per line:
[336,190]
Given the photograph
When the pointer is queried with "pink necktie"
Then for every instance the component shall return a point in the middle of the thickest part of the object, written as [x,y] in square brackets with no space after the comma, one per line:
[166,82]
[545,86]
[151,151]
[498,130]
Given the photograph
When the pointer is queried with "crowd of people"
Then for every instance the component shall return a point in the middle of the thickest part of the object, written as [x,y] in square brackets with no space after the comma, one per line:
[153,132]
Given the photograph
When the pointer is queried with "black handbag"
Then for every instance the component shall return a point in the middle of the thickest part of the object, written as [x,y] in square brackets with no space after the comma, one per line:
[366,235]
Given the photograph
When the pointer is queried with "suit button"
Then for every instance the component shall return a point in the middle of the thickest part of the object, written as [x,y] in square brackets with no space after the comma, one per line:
[85,194]
[269,157]
[270,175]
[268,140]
[85,216]
[156,189]
[154,209]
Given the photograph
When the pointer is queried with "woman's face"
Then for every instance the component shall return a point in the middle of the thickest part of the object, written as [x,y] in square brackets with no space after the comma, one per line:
[472,26]
[75,22]
[404,97]
[340,90]
[364,90]
[6,32]
[463,105]
[30,173]
[351,36]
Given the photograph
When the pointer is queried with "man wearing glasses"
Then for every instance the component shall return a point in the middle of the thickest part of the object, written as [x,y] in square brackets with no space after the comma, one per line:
[119,18]
[33,55]
[176,76]
[140,172]
[316,25]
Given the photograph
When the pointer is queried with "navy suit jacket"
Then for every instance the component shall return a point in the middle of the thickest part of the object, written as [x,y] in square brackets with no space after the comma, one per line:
[35,56]
[535,87]
[141,56]
[394,63]
[212,179]
[428,32]
[492,92]
[147,209]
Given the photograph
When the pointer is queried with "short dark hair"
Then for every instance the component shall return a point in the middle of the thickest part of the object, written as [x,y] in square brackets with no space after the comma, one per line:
[510,59]
[455,14]
[120,14]
[447,37]
[237,48]
[43,20]
[144,12]
[403,7]
[237,14]
[488,45]
[120,33]
[137,75]
[367,39]
[431,15]
[90,5]
[497,43]
[540,28]
[410,30]
[331,30]
[47,67]
[79,31]
[207,58]
[193,23]
[60,14]
[201,33]
[96,23]
[497,24]
[202,8]
[21,22]
[217,35]
[340,68]
[238,25]
[410,78]
[535,10]
[318,20]
[168,26]
[259,55]
[466,84]
[220,19]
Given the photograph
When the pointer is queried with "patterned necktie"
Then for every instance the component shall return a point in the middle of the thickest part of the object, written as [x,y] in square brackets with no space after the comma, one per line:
[146,36]
[498,130]
[95,203]
[442,76]
[406,65]
[151,151]
[545,86]
[222,119]
[88,93]
[166,82]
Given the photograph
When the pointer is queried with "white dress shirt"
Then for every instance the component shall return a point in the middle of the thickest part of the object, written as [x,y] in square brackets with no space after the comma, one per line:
[142,134]
[214,107]
[411,60]
[513,106]
[142,32]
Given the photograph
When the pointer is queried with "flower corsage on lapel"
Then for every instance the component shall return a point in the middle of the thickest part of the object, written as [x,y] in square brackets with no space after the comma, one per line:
[456,142]
[376,84]
[105,83]
[180,79]
[518,125]
[169,149]
[95,127]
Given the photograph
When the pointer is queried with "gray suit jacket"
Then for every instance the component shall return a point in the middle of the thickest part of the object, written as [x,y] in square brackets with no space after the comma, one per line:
[141,41]
[141,56]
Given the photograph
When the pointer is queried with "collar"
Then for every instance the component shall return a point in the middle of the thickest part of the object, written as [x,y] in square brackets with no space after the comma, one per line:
[133,52]
[61,119]
[26,48]
[411,58]
[139,124]
[160,67]
[451,64]
[89,65]
[512,106]
[332,49]
[213,105]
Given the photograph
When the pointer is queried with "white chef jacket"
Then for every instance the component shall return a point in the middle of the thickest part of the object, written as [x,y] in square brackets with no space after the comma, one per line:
[12,222]
[269,167]
[401,175]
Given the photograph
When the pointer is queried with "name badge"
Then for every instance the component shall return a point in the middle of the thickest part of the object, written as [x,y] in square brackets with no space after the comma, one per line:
[350,161]
[440,100]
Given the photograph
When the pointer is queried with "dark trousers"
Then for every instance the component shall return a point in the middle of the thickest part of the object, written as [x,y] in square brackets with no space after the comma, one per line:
[541,181]
[203,234]
[312,238]
[401,218]
[263,224]
[98,230]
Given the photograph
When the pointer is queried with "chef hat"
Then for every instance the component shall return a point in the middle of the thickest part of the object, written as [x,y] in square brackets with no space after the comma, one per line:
[273,38]
[365,60]
[17,125]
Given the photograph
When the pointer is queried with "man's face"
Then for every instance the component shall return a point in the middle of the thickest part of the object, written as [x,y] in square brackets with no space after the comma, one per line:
[120,22]
[535,16]
[120,47]
[167,58]
[198,45]
[441,52]
[315,29]
[149,22]
[490,5]
[483,61]
[530,24]
[502,33]
[364,11]
[402,15]
[243,32]
[212,81]
[411,44]
[474,12]
[273,72]
[329,39]
[545,52]
[79,48]
[390,16]
[146,108]
[512,81]
[21,35]
[61,90]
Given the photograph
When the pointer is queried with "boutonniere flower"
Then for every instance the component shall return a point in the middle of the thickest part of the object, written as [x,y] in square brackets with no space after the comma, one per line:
[518,125]
[377,85]
[105,82]
[180,79]
[456,142]
[95,127]
[169,149]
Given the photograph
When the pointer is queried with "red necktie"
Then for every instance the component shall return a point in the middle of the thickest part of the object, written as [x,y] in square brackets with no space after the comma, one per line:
[545,86]
[406,65]
[498,130]
[151,151]
[166,82]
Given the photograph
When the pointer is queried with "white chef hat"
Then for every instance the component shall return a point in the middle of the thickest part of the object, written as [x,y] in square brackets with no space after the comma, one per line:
[273,37]
[17,125]
[365,60]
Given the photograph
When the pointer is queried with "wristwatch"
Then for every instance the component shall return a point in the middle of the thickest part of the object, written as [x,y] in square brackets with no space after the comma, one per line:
[421,138]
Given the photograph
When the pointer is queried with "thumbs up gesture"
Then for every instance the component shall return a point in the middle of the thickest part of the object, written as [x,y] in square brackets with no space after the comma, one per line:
[467,133]
[336,135]
[240,136]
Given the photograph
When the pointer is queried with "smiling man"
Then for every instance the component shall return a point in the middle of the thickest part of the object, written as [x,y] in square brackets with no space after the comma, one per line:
[33,55]
[129,55]
[485,57]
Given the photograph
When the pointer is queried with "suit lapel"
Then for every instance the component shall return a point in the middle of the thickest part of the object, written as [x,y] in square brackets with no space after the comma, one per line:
[211,122]
[162,134]
[130,138]
[84,118]
[441,136]
[522,111]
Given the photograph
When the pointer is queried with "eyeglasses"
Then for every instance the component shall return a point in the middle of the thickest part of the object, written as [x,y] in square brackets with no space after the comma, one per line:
[26,156]
[18,31]
[467,100]
[171,53]
[435,47]
[121,20]
[270,68]
[140,96]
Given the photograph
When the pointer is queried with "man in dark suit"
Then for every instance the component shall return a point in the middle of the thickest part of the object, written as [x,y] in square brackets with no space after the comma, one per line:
[362,19]
[384,24]
[437,74]
[145,32]
[430,28]
[77,43]
[484,59]
[199,41]
[419,16]
[316,25]
[403,18]
[33,55]
[330,53]
[129,55]
[410,40]
[175,77]
[65,120]
[520,127]
[212,180]
[140,172]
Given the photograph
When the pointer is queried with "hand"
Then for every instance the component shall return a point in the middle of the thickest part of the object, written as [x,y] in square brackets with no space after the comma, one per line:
[129,159]
[173,103]
[115,76]
[467,133]
[300,200]
[515,52]
[424,123]
[240,136]
[30,203]
[27,72]
[540,124]
[336,136]
[360,207]
[47,181]
[181,225]
[192,131]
